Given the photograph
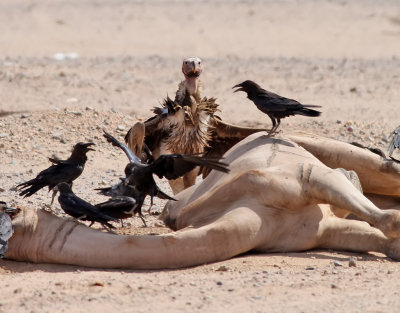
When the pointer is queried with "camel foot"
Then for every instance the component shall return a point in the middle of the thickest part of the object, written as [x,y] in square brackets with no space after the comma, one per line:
[389,224]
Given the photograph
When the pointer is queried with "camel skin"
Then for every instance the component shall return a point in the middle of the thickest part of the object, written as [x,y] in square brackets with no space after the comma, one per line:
[280,196]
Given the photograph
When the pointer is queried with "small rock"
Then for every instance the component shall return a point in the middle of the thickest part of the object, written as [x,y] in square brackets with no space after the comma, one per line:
[97,283]
[3,135]
[72,100]
[121,127]
[75,113]
[352,262]
[310,268]
[219,283]
[333,286]
[337,263]
[222,268]
[350,129]
[353,89]
[8,152]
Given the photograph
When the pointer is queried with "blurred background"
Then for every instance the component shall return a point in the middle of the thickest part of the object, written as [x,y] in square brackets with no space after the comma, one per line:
[126,55]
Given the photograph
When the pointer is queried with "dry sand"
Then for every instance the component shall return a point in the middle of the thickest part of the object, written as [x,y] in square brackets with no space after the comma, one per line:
[71,68]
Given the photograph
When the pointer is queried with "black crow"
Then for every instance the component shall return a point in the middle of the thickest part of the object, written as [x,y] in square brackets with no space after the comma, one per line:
[119,207]
[275,106]
[79,208]
[61,171]
[6,229]
[140,175]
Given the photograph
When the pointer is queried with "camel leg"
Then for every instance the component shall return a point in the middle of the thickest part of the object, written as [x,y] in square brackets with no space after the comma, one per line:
[377,175]
[189,179]
[358,236]
[177,185]
[44,238]
[328,186]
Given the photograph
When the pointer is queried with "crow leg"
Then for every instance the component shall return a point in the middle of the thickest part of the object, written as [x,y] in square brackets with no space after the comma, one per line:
[141,217]
[274,126]
[52,198]
[151,204]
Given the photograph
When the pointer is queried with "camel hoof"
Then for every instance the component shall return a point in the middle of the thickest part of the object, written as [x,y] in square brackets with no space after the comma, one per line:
[393,249]
[390,223]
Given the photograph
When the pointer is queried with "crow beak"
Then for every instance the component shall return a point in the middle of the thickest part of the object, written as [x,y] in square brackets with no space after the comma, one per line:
[239,86]
[56,189]
[88,146]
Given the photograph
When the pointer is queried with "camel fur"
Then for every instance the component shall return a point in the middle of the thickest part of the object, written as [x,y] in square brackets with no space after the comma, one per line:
[280,196]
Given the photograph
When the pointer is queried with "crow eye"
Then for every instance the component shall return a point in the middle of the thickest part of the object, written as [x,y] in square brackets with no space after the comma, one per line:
[199,62]
[185,62]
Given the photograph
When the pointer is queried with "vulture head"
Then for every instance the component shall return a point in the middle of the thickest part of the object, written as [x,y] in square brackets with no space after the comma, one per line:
[192,68]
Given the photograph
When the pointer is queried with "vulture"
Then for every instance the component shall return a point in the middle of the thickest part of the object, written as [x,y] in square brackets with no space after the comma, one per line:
[186,125]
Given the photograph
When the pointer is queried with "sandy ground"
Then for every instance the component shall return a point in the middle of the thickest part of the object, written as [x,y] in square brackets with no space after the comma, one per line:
[70,69]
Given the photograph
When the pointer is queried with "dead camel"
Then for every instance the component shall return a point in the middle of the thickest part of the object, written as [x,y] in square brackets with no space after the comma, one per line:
[277,197]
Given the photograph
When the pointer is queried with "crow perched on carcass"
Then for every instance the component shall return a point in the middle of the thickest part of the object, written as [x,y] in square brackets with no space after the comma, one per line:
[139,175]
[275,106]
[79,208]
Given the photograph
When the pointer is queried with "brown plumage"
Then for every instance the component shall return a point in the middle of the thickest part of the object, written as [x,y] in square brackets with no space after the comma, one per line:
[186,125]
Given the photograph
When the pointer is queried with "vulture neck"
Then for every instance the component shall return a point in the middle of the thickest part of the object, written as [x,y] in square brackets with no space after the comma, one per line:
[192,83]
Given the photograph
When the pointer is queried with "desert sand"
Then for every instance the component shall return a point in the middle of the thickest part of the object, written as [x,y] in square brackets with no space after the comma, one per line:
[68,69]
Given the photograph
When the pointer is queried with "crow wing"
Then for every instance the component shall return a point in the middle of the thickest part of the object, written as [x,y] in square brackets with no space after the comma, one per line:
[65,171]
[77,207]
[115,142]
[173,166]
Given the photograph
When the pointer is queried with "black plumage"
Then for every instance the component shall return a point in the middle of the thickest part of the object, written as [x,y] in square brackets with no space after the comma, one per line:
[6,229]
[79,208]
[275,106]
[61,171]
[120,207]
[140,175]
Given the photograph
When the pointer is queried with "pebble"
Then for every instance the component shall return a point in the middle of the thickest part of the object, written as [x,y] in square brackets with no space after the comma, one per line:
[352,262]
[222,268]
[3,135]
[121,127]
[337,263]
[72,100]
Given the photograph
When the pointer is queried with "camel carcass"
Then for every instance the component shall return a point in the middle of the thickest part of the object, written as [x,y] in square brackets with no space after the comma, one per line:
[278,197]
